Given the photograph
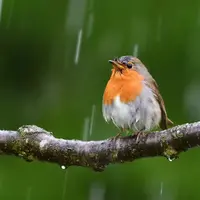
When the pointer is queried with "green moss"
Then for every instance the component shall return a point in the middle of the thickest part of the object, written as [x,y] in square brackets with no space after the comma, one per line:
[21,131]
[163,140]
[114,155]
[17,148]
[170,153]
[31,129]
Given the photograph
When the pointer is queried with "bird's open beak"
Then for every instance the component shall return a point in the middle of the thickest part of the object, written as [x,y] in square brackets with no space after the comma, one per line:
[116,64]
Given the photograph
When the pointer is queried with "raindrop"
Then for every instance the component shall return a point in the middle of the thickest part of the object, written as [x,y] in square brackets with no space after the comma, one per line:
[92,119]
[64,186]
[97,191]
[86,128]
[90,25]
[78,46]
[170,159]
[135,50]
[63,167]
[1,7]
[161,189]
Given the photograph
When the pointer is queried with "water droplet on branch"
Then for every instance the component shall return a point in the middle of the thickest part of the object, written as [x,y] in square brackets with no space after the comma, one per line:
[63,167]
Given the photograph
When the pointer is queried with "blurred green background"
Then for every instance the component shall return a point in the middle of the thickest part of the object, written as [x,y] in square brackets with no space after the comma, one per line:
[53,70]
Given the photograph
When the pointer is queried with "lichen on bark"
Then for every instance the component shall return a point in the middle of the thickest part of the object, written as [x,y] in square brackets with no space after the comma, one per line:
[34,143]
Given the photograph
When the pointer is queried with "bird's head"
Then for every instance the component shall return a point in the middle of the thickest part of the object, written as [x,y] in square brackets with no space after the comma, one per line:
[128,64]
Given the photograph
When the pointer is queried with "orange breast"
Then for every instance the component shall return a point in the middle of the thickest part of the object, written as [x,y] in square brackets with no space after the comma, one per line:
[128,85]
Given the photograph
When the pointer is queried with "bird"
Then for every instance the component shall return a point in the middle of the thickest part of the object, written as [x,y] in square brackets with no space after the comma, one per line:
[131,99]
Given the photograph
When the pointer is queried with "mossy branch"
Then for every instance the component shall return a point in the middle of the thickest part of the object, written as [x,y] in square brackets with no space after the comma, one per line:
[33,143]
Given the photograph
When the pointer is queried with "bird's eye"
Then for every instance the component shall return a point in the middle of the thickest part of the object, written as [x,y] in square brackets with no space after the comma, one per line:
[115,59]
[129,65]
[124,62]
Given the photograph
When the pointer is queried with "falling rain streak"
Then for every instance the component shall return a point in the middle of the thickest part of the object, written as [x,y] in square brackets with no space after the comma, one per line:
[90,25]
[1,7]
[89,124]
[97,191]
[135,50]
[64,186]
[161,189]
[78,46]
[86,128]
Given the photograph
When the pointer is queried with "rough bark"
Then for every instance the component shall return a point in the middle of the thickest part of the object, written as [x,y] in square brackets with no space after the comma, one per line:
[34,143]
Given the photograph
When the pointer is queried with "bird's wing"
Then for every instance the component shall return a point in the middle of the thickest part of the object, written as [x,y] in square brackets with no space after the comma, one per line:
[164,119]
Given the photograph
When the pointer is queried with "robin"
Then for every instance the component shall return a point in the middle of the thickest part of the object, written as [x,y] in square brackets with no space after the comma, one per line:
[131,98]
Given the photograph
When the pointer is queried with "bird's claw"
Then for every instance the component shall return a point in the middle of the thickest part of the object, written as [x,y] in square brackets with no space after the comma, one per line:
[116,137]
[137,135]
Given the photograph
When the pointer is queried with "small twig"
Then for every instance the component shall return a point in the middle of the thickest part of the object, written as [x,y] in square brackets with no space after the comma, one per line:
[33,143]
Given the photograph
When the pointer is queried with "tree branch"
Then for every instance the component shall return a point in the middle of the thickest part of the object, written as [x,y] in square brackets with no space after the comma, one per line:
[33,143]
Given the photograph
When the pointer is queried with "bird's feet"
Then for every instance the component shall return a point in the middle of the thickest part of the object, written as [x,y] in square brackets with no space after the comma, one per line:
[138,135]
[116,137]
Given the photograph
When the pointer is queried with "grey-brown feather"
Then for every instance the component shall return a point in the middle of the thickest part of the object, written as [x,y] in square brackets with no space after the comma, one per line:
[150,82]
